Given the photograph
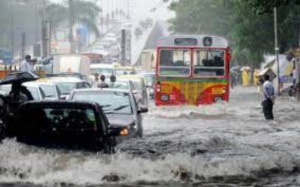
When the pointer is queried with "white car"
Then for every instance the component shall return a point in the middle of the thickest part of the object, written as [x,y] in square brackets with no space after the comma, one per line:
[67,84]
[36,91]
[102,69]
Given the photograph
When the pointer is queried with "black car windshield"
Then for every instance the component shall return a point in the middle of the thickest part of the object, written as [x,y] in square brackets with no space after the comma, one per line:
[66,88]
[111,102]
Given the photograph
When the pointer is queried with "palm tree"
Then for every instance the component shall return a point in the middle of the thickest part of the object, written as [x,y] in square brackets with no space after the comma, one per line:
[84,12]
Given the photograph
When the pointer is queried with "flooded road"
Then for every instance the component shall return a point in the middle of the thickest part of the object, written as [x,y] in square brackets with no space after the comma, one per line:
[226,144]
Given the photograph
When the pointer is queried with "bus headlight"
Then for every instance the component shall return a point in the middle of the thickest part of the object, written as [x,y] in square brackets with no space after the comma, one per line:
[224,90]
[164,97]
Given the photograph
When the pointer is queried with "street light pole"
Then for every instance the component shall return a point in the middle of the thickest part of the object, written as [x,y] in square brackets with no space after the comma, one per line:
[12,28]
[276,49]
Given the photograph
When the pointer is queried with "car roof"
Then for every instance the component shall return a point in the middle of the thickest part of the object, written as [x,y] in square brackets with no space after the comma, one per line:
[130,76]
[38,83]
[102,90]
[102,66]
[31,84]
[61,79]
[58,104]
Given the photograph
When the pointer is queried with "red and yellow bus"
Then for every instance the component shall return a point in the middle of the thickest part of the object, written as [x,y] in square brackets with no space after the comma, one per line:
[192,70]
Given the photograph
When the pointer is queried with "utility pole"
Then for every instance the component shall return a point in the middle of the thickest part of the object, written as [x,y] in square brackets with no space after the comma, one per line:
[12,28]
[71,24]
[46,38]
[277,50]
[23,45]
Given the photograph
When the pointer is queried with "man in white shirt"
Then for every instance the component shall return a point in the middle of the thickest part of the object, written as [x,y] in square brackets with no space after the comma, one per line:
[268,98]
[25,64]
[96,80]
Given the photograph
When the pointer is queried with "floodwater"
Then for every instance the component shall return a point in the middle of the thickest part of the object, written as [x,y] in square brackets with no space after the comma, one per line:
[226,144]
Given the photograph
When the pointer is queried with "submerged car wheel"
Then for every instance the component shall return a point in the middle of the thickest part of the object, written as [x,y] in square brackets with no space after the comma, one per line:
[108,145]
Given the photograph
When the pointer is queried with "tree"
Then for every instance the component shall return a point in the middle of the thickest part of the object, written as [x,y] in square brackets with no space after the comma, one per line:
[266,6]
[251,34]
[85,12]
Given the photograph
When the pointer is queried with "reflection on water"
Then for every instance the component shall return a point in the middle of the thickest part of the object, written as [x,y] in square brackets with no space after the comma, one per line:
[226,143]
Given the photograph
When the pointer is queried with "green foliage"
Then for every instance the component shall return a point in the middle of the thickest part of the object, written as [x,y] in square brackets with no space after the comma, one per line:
[85,12]
[267,6]
[246,23]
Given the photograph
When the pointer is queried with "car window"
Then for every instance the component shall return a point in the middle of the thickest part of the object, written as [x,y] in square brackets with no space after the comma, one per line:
[149,79]
[137,85]
[86,85]
[60,118]
[66,88]
[34,92]
[111,102]
[82,85]
[49,90]
[6,88]
[123,85]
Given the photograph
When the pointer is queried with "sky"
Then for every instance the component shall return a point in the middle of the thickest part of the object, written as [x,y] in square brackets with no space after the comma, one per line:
[139,8]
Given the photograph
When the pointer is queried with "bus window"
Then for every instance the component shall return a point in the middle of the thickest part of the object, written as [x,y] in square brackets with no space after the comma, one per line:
[175,62]
[209,63]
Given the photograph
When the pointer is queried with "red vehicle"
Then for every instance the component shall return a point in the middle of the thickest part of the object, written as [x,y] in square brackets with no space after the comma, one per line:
[192,70]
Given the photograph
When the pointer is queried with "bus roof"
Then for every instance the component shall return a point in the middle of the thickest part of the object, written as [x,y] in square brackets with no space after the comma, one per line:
[193,41]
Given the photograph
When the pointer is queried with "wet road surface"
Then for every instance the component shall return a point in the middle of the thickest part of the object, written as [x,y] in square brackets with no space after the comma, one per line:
[226,144]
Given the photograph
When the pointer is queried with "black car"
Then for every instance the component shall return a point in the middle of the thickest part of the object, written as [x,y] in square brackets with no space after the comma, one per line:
[119,106]
[64,122]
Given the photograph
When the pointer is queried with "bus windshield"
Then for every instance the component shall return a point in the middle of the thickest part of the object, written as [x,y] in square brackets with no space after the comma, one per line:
[208,62]
[175,62]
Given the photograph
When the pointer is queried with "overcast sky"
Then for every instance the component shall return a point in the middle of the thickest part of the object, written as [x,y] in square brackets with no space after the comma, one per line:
[139,8]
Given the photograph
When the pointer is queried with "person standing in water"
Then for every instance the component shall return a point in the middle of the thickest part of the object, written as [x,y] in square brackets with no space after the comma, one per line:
[268,98]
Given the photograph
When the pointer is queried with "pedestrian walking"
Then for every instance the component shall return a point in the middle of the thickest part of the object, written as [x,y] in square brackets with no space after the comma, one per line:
[102,84]
[233,79]
[26,64]
[268,98]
